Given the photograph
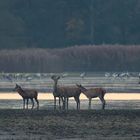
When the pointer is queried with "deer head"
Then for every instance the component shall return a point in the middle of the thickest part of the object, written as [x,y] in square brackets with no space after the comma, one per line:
[81,87]
[55,78]
[17,87]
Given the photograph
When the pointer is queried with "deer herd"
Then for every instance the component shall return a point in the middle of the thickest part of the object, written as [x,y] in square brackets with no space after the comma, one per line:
[63,93]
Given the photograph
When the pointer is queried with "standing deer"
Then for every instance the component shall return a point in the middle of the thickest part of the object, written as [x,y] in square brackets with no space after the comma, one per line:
[93,93]
[64,92]
[26,95]
[56,91]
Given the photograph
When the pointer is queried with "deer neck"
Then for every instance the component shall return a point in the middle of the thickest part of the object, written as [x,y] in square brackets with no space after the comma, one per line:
[83,90]
[20,91]
[55,86]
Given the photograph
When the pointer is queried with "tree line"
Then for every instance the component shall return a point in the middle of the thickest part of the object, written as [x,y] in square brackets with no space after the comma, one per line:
[77,58]
[62,23]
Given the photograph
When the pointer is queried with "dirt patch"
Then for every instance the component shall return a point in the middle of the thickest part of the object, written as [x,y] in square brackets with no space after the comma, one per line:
[71,125]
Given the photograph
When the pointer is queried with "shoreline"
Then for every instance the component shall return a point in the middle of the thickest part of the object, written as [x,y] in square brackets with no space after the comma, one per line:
[49,96]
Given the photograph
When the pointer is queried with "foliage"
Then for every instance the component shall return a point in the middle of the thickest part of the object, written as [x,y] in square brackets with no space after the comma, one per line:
[57,24]
[76,58]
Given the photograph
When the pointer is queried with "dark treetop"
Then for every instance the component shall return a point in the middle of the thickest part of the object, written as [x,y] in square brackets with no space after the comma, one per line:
[61,23]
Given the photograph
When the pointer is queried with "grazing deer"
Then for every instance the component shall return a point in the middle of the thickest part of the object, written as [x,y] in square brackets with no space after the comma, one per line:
[26,95]
[64,92]
[93,93]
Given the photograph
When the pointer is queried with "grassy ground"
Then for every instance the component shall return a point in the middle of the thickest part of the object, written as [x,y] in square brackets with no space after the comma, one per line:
[71,125]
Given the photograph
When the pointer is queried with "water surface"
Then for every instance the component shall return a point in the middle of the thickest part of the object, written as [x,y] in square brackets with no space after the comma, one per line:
[13,100]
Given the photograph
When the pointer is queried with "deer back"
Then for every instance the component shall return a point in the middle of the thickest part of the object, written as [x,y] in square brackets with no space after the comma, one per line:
[28,93]
[70,91]
[94,92]
[31,93]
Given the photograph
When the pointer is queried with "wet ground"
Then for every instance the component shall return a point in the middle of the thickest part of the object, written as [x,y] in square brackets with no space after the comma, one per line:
[116,124]
[96,104]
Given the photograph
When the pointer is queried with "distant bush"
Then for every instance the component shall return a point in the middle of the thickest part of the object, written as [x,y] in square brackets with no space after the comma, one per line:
[76,58]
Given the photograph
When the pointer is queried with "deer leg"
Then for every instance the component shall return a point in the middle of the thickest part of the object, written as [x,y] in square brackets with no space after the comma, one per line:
[89,107]
[37,103]
[67,103]
[77,102]
[60,103]
[23,103]
[32,103]
[62,100]
[54,103]
[78,108]
[103,102]
[64,103]
[27,103]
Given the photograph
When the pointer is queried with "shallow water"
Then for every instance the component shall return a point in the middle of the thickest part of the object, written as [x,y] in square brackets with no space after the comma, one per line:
[11,100]
[49,96]
[96,104]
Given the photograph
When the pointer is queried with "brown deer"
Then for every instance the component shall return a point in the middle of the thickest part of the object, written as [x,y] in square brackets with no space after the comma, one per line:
[26,95]
[64,92]
[93,93]
[56,91]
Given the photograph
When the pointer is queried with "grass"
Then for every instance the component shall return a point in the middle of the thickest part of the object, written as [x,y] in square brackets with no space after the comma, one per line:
[85,124]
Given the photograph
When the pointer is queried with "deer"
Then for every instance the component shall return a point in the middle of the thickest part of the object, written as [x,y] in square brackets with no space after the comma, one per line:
[93,93]
[27,94]
[56,91]
[64,93]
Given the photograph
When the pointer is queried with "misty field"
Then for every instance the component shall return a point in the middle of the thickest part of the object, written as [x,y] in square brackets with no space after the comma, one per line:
[112,82]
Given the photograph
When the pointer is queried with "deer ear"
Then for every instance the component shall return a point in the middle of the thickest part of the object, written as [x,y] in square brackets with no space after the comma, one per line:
[53,76]
[78,85]
[17,85]
[58,77]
